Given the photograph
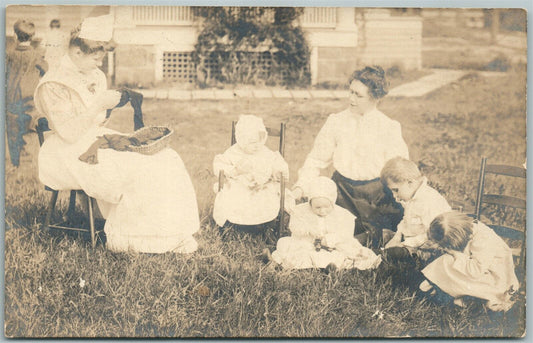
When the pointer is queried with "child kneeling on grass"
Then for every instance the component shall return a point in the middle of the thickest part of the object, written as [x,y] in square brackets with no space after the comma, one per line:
[251,194]
[477,263]
[322,234]
[421,205]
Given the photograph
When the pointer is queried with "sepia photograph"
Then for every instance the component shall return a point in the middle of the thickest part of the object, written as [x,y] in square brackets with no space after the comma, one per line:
[264,172]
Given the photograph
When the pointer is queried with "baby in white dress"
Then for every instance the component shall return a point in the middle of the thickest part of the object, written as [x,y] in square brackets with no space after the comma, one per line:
[251,193]
[322,234]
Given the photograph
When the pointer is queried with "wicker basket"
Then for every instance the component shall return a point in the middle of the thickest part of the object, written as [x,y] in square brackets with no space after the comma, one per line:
[152,147]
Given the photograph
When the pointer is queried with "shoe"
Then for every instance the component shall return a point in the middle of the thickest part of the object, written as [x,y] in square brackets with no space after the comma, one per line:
[425,286]
[265,256]
[459,302]
[330,268]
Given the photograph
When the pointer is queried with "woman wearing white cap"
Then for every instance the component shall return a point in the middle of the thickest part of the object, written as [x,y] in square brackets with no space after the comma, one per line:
[322,234]
[148,200]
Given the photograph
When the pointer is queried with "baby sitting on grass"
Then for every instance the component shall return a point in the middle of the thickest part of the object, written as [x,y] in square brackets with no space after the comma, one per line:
[251,194]
[322,234]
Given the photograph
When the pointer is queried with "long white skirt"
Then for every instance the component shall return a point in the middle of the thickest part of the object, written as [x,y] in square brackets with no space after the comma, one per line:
[148,200]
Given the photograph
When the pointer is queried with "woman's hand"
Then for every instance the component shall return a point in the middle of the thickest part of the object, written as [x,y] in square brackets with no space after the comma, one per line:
[393,243]
[396,241]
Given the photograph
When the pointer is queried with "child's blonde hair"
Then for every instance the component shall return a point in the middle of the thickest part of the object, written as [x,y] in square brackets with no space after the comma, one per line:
[451,230]
[398,170]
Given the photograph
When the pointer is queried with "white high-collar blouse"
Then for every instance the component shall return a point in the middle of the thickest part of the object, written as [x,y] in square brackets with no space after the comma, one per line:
[357,146]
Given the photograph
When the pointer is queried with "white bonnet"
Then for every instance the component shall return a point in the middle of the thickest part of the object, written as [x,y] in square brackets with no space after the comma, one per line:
[322,187]
[97,28]
[248,127]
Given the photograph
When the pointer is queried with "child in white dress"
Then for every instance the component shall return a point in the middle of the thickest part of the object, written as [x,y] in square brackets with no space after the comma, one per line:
[477,262]
[420,202]
[322,234]
[251,193]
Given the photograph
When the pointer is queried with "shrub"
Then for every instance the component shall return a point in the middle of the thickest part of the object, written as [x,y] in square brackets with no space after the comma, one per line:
[251,45]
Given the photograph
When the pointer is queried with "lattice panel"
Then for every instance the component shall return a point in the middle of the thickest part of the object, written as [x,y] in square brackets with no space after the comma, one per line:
[263,62]
[260,62]
[213,67]
[178,66]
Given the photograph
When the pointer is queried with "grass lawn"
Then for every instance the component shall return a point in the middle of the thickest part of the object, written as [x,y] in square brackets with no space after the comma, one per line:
[57,286]
[456,47]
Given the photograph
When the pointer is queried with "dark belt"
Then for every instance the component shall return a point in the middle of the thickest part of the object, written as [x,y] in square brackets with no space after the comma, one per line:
[338,176]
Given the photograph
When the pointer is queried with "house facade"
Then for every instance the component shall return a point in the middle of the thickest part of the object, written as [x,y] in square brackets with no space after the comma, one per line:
[155,43]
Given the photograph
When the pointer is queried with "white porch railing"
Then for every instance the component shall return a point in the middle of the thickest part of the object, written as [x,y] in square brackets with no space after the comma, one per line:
[162,15]
[319,17]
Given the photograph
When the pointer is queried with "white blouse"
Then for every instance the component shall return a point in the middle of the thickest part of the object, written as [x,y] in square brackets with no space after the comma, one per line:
[419,212]
[357,146]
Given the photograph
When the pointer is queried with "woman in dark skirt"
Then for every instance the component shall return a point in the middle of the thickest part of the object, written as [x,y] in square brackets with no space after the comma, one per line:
[358,141]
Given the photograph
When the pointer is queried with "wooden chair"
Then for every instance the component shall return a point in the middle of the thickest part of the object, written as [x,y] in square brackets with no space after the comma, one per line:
[128,96]
[505,201]
[273,132]
[68,219]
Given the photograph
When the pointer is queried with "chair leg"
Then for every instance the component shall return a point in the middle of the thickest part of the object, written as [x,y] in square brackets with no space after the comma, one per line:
[280,224]
[281,207]
[50,211]
[71,207]
[91,220]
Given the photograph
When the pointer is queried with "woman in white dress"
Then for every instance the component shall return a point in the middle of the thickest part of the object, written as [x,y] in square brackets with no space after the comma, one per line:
[148,200]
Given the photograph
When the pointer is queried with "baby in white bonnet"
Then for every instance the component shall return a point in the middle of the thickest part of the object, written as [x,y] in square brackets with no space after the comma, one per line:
[322,234]
[251,193]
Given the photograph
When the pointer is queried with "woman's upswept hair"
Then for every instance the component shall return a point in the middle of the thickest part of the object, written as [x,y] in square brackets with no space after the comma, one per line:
[374,78]
[88,46]
[398,170]
[451,230]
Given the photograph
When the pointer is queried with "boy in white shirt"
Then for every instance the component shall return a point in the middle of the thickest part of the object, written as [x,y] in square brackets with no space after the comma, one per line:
[421,205]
